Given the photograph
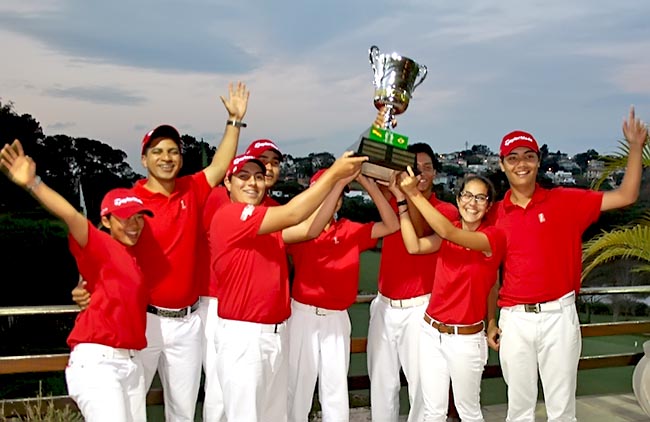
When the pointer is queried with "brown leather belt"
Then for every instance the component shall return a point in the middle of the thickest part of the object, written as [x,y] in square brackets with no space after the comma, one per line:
[454,329]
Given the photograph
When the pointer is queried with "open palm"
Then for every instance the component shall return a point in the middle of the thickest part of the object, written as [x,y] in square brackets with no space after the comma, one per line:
[237,101]
[20,168]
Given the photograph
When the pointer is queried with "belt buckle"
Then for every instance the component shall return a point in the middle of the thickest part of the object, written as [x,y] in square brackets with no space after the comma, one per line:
[319,312]
[532,307]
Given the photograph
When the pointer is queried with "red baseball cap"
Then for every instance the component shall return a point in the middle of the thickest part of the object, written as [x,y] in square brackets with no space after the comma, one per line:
[317,176]
[122,203]
[517,139]
[257,148]
[162,131]
[240,161]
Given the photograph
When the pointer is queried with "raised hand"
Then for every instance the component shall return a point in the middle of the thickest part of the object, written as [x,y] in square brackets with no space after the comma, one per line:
[237,101]
[347,165]
[634,130]
[21,169]
[408,182]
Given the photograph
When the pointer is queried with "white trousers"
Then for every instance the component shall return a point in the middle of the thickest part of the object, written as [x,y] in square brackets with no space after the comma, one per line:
[174,350]
[460,358]
[549,340]
[252,363]
[393,342]
[107,383]
[213,402]
[319,347]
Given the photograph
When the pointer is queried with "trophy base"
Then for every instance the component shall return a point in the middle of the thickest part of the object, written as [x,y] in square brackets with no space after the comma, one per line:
[383,158]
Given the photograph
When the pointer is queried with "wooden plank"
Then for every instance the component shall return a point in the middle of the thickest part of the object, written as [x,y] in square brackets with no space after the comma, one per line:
[610,361]
[615,328]
[33,363]
[358,345]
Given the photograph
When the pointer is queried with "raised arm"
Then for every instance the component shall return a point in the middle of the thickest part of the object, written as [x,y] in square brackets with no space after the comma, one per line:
[315,224]
[416,245]
[444,228]
[236,105]
[636,133]
[389,222]
[21,169]
[304,204]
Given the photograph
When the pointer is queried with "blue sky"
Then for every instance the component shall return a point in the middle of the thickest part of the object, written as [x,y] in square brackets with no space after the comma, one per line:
[565,71]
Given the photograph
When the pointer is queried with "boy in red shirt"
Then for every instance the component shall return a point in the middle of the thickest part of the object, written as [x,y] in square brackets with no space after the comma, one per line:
[539,325]
[326,261]
[169,254]
[249,262]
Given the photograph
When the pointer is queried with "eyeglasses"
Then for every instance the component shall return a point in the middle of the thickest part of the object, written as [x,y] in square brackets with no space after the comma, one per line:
[480,198]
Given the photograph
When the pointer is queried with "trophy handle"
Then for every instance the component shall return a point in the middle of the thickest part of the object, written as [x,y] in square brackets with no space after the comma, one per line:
[422,74]
[373,56]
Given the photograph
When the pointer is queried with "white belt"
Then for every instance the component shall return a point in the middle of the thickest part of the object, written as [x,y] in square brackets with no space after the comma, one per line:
[107,352]
[313,309]
[553,305]
[250,326]
[405,303]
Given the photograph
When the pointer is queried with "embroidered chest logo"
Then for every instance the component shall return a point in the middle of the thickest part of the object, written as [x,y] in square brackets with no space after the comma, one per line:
[336,240]
[541,217]
[246,212]
[183,205]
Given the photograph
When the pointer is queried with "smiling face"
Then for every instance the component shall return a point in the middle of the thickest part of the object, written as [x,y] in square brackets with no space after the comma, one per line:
[427,173]
[521,167]
[162,159]
[271,161]
[247,185]
[127,231]
[474,201]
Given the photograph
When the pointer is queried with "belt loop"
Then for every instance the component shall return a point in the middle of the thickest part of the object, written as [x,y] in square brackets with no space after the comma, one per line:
[275,329]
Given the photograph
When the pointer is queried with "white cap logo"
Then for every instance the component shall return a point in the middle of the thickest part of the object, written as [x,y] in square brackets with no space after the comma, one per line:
[517,138]
[118,202]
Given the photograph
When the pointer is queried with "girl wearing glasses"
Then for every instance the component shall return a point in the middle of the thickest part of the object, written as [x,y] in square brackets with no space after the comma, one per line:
[453,344]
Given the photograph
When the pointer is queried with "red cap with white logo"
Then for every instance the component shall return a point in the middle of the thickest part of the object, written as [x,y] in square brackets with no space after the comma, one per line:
[122,203]
[240,161]
[257,148]
[517,139]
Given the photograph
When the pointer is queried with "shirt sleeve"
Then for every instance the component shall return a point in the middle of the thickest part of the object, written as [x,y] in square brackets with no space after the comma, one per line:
[200,187]
[361,234]
[585,205]
[497,240]
[217,198]
[88,257]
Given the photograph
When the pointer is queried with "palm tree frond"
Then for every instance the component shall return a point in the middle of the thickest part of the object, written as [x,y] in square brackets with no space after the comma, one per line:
[625,243]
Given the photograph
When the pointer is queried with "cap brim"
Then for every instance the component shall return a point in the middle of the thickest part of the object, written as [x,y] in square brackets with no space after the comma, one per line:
[127,212]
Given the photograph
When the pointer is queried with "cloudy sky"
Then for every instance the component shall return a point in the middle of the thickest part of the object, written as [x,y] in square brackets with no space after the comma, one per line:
[566,71]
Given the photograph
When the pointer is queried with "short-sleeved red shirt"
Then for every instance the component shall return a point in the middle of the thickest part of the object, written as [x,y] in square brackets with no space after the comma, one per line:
[219,197]
[167,249]
[464,279]
[116,316]
[327,268]
[543,259]
[402,275]
[251,268]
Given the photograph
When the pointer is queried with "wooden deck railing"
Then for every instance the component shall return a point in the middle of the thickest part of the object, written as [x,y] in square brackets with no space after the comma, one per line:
[58,362]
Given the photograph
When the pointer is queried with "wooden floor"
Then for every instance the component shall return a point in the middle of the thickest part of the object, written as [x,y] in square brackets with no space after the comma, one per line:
[603,408]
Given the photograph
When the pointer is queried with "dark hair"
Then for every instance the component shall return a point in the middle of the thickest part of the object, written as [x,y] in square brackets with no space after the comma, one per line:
[491,191]
[426,149]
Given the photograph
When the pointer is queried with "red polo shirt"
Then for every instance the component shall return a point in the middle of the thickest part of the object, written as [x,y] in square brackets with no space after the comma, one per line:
[167,249]
[327,268]
[116,316]
[543,259]
[402,275]
[251,268]
[218,197]
[464,278]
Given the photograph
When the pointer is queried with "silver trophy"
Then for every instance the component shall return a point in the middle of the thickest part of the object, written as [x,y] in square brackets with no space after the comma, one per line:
[395,79]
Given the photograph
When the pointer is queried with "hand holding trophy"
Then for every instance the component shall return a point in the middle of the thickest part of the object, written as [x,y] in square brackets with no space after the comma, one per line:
[395,79]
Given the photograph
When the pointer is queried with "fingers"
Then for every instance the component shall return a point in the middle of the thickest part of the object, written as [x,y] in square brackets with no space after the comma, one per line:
[410,171]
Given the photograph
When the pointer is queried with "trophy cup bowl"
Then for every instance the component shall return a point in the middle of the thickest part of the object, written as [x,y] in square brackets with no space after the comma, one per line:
[395,79]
